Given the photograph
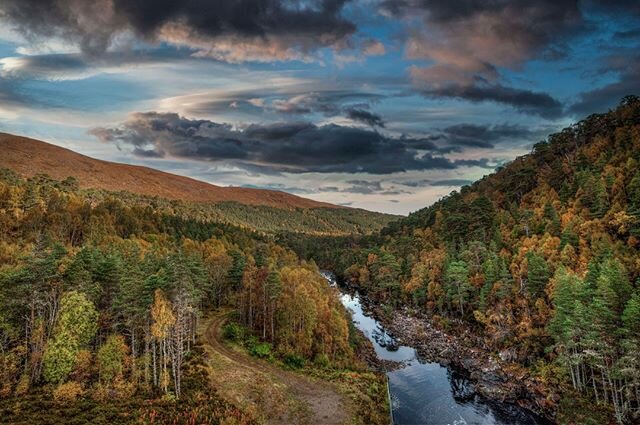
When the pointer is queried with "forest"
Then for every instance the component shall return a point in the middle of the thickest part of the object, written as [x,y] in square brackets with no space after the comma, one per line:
[541,259]
[257,218]
[101,296]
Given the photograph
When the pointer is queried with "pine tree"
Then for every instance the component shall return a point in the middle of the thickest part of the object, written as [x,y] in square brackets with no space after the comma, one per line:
[537,275]
[553,226]
[459,288]
[237,269]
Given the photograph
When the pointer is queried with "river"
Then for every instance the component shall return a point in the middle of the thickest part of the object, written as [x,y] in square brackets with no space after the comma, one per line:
[428,393]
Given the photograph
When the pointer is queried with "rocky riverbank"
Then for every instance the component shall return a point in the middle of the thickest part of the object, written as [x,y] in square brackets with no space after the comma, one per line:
[492,377]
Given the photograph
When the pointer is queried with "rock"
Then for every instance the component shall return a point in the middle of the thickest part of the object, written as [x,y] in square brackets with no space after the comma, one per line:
[469,364]
[491,376]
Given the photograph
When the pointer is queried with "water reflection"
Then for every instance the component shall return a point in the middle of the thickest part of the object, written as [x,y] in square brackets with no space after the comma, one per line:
[428,393]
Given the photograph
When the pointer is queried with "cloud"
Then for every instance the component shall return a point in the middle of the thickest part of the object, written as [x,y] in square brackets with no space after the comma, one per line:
[367,187]
[280,187]
[272,96]
[363,187]
[451,182]
[297,147]
[632,34]
[428,182]
[73,66]
[525,101]
[467,44]
[364,116]
[326,102]
[234,31]
[627,69]
[483,136]
[14,100]
[359,51]
[305,104]
[476,37]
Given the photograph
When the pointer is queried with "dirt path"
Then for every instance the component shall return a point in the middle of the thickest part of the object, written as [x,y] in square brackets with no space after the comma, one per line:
[278,396]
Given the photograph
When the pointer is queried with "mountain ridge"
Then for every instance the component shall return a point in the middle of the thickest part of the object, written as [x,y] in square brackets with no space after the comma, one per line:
[28,157]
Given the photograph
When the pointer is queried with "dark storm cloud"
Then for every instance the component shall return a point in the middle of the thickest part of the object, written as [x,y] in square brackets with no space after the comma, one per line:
[290,147]
[365,117]
[451,182]
[526,101]
[597,100]
[270,25]
[614,7]
[427,182]
[483,136]
[632,34]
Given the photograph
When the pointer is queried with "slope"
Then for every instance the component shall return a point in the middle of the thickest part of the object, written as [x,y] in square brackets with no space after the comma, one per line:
[539,262]
[29,157]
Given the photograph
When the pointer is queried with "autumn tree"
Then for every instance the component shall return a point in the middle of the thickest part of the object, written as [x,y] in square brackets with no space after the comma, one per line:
[74,329]
[163,321]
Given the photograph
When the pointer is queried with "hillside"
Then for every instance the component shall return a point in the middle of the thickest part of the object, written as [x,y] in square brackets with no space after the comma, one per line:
[29,157]
[537,265]
[569,164]
[261,210]
[102,300]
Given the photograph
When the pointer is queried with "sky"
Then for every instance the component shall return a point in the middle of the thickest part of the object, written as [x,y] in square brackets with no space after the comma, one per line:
[386,105]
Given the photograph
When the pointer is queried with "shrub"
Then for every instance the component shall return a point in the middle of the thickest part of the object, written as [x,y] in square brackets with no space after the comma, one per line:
[232,331]
[124,389]
[261,350]
[24,384]
[111,358]
[321,360]
[101,393]
[68,392]
[83,367]
[293,361]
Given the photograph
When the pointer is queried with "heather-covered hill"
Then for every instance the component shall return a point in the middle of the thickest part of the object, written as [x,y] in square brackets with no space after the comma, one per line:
[257,209]
[29,157]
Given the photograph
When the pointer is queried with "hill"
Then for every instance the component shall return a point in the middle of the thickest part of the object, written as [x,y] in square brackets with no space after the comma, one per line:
[539,262]
[29,157]
[262,210]
[103,298]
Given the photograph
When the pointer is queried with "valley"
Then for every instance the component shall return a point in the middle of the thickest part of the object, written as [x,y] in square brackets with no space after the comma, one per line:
[319,212]
[512,301]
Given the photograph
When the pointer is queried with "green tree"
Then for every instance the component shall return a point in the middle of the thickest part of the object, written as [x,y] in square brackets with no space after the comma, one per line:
[75,328]
[237,269]
[459,288]
[633,190]
[111,359]
[537,275]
